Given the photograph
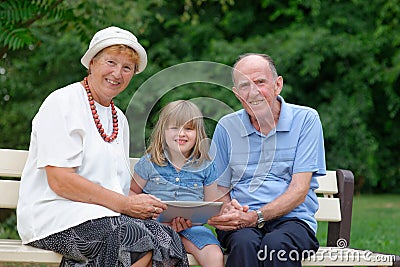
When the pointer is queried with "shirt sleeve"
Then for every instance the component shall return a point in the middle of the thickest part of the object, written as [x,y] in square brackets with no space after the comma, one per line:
[59,133]
[143,167]
[310,153]
[210,173]
[221,145]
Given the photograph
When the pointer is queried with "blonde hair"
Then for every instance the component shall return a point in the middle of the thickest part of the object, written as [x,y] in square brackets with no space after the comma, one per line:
[180,112]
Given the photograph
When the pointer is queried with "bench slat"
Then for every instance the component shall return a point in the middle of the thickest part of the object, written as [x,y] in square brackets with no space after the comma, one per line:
[9,191]
[327,183]
[329,210]
[12,162]
[14,251]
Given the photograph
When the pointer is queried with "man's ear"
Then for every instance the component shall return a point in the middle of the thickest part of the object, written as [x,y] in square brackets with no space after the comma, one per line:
[278,85]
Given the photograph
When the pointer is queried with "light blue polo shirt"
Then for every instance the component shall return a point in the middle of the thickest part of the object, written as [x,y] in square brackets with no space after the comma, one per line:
[258,168]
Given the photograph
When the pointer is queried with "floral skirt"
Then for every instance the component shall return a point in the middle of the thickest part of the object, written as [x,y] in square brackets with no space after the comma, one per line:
[116,241]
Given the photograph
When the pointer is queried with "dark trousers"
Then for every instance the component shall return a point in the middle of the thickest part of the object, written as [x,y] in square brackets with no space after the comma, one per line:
[281,242]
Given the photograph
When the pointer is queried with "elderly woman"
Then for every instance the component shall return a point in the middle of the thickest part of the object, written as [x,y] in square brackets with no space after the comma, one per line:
[74,195]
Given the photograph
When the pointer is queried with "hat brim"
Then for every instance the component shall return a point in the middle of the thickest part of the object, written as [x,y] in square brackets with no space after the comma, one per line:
[91,52]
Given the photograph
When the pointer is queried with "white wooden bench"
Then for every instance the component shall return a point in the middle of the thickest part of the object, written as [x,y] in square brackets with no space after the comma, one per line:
[335,200]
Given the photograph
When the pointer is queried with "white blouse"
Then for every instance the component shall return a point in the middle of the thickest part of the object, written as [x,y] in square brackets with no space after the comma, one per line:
[64,135]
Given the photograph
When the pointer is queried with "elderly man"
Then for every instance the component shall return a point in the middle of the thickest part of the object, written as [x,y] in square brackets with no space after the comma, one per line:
[268,157]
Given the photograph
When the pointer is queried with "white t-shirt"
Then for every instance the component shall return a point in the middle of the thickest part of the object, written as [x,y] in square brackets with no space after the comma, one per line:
[64,135]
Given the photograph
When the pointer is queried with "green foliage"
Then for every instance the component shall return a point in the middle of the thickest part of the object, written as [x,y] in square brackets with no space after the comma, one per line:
[8,228]
[17,16]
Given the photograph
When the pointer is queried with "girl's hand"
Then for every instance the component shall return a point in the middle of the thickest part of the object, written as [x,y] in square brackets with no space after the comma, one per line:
[180,224]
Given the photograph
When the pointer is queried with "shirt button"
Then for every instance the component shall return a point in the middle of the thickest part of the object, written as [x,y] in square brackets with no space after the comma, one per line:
[177,179]
[195,185]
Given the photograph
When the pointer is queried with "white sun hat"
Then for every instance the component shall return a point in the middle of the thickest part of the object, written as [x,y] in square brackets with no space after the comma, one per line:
[114,36]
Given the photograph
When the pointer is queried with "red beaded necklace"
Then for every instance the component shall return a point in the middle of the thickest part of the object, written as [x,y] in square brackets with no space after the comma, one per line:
[96,118]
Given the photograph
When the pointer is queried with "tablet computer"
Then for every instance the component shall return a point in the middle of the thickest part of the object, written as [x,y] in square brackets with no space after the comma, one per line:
[196,211]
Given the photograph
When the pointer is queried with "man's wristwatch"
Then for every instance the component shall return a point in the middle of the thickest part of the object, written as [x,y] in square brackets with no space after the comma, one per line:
[260,220]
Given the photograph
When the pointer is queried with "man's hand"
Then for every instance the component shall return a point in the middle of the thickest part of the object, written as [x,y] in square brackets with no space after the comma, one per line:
[234,204]
[233,217]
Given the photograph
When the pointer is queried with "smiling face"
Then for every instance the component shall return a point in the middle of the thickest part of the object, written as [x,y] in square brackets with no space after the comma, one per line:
[179,131]
[110,72]
[180,140]
[257,87]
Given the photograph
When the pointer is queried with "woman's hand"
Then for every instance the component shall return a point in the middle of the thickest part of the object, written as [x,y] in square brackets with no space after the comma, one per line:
[180,224]
[144,206]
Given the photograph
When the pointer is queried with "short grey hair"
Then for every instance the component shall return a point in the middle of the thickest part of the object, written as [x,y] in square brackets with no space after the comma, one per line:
[270,61]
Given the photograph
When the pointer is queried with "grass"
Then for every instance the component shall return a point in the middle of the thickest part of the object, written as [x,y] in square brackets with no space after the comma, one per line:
[375,224]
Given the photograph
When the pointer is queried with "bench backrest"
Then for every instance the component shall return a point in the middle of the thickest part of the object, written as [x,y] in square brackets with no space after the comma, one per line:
[335,192]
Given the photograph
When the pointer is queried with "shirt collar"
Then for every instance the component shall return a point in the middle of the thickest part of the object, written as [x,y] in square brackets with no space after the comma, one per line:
[285,116]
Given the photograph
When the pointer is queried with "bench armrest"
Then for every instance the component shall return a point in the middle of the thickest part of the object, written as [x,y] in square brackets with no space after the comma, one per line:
[341,230]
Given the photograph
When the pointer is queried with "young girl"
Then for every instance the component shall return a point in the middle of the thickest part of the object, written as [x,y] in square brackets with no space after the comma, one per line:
[177,167]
